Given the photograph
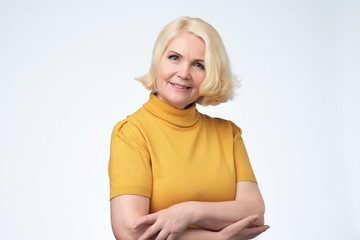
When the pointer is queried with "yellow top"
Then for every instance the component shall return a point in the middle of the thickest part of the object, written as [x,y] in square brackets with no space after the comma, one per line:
[172,156]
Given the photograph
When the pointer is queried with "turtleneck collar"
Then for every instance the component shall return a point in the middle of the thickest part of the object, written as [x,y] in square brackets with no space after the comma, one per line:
[182,118]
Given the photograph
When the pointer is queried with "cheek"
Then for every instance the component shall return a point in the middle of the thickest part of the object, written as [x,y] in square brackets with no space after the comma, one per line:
[200,77]
[164,72]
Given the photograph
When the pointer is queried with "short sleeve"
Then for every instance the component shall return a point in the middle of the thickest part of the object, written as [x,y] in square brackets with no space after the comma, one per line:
[129,164]
[244,171]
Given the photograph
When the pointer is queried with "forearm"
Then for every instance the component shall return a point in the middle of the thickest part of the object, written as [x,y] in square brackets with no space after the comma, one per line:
[217,215]
[196,234]
[238,230]
[214,216]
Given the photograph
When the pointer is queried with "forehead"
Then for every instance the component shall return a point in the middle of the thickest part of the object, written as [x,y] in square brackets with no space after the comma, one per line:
[187,43]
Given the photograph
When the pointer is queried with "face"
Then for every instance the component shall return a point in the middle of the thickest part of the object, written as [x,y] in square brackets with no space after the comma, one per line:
[181,70]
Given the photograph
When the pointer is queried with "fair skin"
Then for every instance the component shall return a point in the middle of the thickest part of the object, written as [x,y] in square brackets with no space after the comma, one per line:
[181,70]
[240,219]
[180,73]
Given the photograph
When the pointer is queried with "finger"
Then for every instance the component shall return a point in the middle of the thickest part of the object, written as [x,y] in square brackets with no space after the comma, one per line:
[246,222]
[240,225]
[147,219]
[155,228]
[253,232]
[171,237]
[162,235]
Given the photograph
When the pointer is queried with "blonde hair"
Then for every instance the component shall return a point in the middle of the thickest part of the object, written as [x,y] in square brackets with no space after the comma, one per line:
[218,85]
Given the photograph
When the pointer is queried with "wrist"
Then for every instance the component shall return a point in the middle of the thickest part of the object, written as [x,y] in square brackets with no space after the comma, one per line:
[191,210]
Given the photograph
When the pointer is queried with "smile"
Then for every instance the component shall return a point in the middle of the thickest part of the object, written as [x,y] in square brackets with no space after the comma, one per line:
[179,86]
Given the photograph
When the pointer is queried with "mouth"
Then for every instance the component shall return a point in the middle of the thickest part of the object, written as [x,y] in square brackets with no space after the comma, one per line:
[179,86]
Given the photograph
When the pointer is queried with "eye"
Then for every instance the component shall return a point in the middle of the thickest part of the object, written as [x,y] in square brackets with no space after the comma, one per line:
[199,65]
[174,57]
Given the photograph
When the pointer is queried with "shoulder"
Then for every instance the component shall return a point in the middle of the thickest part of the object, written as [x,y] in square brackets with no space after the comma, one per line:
[221,123]
[236,129]
[127,133]
[131,122]
[128,127]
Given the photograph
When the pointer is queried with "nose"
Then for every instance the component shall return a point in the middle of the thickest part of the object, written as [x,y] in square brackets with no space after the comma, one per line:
[184,71]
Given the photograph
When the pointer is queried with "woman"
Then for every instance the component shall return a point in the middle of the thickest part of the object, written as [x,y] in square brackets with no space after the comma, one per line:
[174,172]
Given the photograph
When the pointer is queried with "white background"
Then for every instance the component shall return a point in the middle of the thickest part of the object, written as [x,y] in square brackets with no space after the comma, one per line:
[66,74]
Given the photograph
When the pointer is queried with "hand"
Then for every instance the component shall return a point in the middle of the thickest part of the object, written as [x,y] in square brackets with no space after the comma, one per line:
[165,223]
[241,229]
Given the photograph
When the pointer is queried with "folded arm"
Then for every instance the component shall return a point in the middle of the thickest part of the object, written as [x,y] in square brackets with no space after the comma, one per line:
[239,230]
[217,215]
[131,218]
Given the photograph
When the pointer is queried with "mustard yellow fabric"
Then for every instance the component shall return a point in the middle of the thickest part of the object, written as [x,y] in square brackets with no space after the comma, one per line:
[172,156]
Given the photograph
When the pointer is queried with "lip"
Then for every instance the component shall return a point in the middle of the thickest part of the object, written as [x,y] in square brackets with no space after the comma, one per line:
[180,86]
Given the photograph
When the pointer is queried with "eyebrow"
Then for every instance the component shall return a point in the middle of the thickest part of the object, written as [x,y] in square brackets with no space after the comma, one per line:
[196,60]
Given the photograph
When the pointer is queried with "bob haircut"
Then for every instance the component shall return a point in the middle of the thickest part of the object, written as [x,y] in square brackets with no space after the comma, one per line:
[218,85]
